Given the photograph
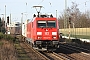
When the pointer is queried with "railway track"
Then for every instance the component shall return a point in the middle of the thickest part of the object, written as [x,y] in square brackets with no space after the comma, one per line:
[50,55]
[78,48]
[75,52]
[20,52]
[35,53]
[46,55]
[26,52]
[55,56]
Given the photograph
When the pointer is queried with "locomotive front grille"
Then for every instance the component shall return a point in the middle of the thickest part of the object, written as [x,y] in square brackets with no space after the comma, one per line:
[55,42]
[38,42]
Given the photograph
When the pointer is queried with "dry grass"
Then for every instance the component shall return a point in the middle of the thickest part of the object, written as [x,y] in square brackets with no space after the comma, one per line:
[7,51]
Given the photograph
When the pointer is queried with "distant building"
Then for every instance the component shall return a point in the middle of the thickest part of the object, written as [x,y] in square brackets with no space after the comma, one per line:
[14,28]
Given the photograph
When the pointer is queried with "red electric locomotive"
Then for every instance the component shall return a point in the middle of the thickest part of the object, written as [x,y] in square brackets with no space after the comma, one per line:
[43,32]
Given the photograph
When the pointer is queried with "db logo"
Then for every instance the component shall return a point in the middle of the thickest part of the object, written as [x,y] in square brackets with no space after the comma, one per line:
[46,33]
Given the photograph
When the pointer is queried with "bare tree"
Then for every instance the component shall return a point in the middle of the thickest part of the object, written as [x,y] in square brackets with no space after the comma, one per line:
[72,12]
[81,20]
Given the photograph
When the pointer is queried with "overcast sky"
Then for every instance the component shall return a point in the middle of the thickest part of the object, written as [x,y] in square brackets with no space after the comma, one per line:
[16,7]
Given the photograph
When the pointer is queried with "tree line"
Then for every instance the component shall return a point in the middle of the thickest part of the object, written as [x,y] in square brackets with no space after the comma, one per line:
[2,26]
[74,17]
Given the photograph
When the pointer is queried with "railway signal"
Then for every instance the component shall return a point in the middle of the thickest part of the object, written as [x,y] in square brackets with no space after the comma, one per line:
[8,20]
[69,20]
[69,26]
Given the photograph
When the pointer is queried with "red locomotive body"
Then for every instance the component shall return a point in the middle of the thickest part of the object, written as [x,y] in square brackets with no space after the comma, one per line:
[43,32]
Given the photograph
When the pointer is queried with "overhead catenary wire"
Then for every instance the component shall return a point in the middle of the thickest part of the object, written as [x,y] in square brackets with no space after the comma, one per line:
[40,2]
[83,2]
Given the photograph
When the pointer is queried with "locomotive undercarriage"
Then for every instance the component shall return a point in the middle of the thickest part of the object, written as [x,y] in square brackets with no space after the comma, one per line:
[47,44]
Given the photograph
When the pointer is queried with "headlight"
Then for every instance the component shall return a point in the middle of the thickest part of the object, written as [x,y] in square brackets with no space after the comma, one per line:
[39,33]
[54,37]
[39,37]
[54,33]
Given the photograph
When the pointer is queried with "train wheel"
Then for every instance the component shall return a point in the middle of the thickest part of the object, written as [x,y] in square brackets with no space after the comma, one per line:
[50,50]
[58,46]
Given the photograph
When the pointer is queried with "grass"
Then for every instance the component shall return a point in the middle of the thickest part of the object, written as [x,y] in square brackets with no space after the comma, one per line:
[77,32]
[1,43]
[81,36]
[6,36]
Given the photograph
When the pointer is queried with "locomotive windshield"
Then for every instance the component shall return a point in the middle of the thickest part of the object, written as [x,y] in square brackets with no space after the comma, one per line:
[51,24]
[45,24]
[41,24]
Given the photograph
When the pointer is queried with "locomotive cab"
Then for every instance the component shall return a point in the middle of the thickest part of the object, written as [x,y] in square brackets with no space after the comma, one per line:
[46,32]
